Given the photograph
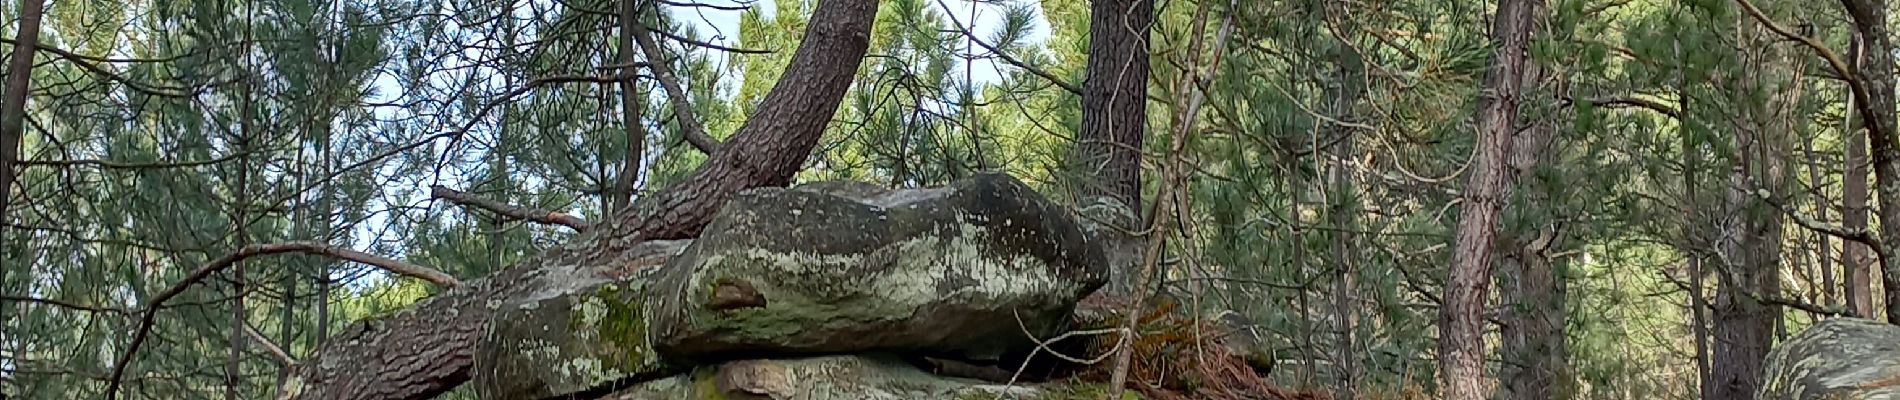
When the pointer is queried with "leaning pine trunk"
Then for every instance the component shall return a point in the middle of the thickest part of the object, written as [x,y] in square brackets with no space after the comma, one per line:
[429,348]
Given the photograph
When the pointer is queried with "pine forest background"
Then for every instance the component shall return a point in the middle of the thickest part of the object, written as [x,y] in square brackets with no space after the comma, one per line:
[1700,168]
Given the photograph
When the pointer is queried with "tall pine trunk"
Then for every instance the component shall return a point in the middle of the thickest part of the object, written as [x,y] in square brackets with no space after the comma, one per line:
[1347,86]
[1854,259]
[13,102]
[1114,100]
[1876,75]
[1460,318]
[1748,261]
[13,119]
[1529,282]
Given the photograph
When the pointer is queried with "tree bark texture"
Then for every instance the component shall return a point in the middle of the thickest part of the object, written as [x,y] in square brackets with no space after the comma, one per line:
[428,349]
[1115,99]
[1529,283]
[13,102]
[1876,74]
[630,114]
[1854,258]
[1460,317]
[1349,76]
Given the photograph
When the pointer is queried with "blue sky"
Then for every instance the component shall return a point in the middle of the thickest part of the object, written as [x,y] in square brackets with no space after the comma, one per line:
[988,18]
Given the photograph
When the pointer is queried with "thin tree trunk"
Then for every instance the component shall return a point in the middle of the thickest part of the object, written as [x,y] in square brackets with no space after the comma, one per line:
[1115,100]
[429,348]
[1349,75]
[629,113]
[1692,226]
[1859,282]
[1460,317]
[1825,262]
[240,219]
[13,115]
[1876,74]
[1743,327]
[324,208]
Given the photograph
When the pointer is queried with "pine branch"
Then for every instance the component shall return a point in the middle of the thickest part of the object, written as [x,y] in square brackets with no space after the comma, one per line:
[1012,61]
[507,210]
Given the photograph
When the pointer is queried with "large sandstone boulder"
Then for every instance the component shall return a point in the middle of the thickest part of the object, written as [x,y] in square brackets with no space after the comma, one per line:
[961,271]
[1837,359]
[858,377]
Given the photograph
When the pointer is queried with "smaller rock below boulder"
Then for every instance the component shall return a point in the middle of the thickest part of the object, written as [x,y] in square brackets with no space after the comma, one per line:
[866,377]
[1112,225]
[1836,359]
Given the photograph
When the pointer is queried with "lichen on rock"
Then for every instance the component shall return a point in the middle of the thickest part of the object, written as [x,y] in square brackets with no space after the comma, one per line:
[568,344]
[1836,359]
[808,292]
[861,377]
[962,270]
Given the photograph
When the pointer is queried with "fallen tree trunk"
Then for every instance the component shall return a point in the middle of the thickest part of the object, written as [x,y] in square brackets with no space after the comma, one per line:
[429,349]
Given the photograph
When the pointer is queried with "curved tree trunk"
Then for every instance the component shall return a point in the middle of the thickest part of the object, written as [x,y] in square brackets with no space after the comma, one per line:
[429,348]
[13,102]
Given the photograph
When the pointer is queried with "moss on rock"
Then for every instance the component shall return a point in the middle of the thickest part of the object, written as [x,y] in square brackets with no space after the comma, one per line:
[568,344]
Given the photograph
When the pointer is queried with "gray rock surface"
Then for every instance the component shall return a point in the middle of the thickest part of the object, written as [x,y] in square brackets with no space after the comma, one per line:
[857,377]
[960,271]
[844,273]
[1836,359]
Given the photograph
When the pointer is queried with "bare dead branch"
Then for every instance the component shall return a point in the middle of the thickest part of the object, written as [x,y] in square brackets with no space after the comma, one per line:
[1862,236]
[507,210]
[106,164]
[699,43]
[676,95]
[283,358]
[1637,102]
[743,5]
[150,312]
[64,304]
